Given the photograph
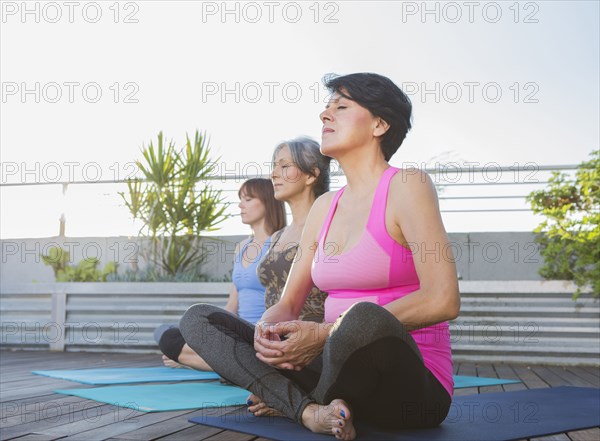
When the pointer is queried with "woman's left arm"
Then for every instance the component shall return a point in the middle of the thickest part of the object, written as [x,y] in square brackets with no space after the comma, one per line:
[416,213]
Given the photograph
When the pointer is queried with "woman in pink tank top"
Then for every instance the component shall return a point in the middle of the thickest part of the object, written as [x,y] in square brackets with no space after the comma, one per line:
[378,247]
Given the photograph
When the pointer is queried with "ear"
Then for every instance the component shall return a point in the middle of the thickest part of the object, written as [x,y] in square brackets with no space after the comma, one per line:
[310,180]
[380,127]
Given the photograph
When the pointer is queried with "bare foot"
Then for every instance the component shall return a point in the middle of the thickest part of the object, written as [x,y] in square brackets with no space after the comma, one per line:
[171,363]
[259,408]
[334,419]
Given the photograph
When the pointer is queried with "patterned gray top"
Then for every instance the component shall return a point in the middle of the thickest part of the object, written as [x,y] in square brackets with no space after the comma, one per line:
[273,272]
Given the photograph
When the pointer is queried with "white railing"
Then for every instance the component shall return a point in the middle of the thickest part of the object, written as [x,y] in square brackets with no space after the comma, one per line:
[511,321]
[484,198]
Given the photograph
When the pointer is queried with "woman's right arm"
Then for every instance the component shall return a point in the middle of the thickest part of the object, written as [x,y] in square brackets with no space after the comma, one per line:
[305,339]
[299,282]
[232,301]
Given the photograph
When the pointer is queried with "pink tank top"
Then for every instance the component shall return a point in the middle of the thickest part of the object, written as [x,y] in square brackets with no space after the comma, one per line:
[379,270]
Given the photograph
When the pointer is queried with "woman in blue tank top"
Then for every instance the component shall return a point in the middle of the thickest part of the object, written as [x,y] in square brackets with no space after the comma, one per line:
[260,210]
[264,214]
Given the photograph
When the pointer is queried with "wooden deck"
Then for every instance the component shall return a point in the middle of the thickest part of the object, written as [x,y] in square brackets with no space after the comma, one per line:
[31,411]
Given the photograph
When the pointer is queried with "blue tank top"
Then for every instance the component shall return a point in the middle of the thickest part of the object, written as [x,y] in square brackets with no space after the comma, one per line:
[251,294]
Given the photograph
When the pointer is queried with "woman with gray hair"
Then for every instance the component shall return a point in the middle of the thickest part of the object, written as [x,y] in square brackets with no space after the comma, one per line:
[300,174]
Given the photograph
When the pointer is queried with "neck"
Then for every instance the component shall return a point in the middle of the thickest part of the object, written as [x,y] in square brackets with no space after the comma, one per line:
[363,168]
[300,206]
[260,232]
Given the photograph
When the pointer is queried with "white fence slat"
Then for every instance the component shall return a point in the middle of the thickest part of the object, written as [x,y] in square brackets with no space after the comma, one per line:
[58,317]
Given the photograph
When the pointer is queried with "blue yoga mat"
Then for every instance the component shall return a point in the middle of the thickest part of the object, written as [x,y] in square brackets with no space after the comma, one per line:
[502,416]
[164,397]
[462,381]
[157,374]
[128,375]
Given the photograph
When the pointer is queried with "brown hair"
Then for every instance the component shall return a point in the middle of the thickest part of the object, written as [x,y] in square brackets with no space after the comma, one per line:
[262,189]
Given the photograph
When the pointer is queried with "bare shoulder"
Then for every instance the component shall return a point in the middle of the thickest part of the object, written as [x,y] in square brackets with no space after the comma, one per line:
[321,206]
[414,205]
[412,185]
[411,179]
[240,245]
[325,200]
[318,213]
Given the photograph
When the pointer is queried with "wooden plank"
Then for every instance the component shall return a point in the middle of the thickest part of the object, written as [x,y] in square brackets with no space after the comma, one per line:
[569,377]
[507,372]
[585,435]
[158,430]
[37,409]
[487,370]
[75,414]
[549,377]
[528,377]
[35,381]
[557,437]
[125,425]
[36,437]
[172,425]
[99,417]
[468,369]
[32,391]
[585,375]
[149,419]
[594,370]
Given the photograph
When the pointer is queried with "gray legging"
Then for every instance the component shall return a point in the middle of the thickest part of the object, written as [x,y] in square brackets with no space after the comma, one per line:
[369,360]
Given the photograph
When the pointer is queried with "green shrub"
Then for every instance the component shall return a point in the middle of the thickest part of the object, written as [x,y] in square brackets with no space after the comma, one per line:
[175,203]
[85,271]
[570,235]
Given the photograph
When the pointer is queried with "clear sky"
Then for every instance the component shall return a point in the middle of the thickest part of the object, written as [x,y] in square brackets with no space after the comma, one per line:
[491,82]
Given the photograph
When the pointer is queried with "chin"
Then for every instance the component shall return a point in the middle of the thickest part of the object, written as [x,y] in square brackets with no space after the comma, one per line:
[329,150]
[281,196]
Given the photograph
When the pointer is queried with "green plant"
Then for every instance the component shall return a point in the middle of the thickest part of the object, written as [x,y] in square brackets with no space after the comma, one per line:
[175,203]
[85,271]
[570,234]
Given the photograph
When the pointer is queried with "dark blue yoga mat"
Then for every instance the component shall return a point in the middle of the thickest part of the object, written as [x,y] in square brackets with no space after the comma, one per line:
[501,416]
[128,375]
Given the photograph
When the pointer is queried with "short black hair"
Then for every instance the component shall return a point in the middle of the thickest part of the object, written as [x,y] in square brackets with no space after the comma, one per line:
[382,98]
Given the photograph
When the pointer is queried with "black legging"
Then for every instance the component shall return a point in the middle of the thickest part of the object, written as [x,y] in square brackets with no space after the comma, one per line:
[369,360]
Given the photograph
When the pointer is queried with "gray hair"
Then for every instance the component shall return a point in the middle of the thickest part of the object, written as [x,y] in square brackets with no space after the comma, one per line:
[306,154]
